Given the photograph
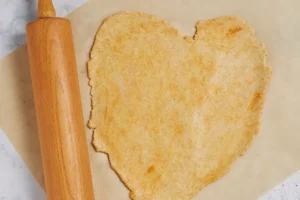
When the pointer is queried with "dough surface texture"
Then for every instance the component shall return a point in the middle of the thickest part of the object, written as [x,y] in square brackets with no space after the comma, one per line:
[173,113]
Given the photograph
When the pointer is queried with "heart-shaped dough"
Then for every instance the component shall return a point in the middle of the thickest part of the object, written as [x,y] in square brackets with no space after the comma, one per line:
[173,113]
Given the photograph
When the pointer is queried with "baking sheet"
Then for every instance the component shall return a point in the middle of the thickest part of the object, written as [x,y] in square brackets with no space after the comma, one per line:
[275,152]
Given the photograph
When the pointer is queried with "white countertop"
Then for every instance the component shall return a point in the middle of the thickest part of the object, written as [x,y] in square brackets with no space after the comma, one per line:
[16,182]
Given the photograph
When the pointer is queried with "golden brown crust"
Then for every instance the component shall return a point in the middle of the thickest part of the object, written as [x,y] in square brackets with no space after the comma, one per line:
[173,112]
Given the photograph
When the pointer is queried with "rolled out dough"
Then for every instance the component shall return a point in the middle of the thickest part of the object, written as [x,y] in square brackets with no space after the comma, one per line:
[173,113]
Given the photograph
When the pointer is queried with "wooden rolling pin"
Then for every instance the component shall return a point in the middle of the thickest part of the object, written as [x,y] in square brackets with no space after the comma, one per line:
[58,107]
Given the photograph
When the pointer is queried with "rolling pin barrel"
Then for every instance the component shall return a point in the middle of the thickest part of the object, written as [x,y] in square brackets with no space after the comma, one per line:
[58,109]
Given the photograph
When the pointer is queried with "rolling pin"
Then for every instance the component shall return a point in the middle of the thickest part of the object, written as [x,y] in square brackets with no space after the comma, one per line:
[58,106]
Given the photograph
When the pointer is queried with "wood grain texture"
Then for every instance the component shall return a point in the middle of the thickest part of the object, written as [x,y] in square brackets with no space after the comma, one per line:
[46,9]
[58,109]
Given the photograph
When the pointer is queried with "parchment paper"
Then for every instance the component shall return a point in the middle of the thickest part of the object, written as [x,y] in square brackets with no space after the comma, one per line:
[275,152]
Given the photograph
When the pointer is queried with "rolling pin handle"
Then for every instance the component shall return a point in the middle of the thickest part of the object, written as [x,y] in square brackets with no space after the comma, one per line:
[46,9]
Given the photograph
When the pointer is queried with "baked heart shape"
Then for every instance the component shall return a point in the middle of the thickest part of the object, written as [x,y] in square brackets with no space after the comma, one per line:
[173,113]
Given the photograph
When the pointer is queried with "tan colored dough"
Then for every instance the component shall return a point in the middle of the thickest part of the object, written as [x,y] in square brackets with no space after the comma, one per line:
[174,113]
